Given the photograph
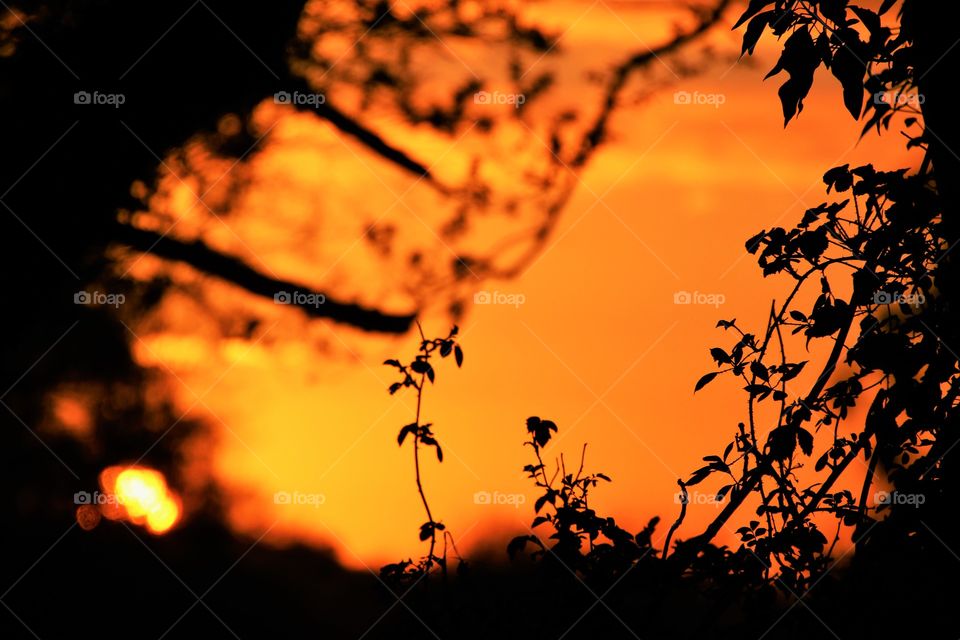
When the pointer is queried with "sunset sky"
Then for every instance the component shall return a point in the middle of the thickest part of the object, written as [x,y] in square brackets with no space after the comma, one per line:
[596,343]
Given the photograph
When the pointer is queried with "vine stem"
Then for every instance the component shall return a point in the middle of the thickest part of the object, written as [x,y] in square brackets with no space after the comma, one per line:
[416,462]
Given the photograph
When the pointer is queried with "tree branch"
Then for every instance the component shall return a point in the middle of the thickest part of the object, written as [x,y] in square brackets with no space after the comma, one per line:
[236,272]
[621,73]
[369,138]
[692,547]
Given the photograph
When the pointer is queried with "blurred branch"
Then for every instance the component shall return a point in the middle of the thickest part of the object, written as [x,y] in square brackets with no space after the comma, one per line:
[233,270]
[622,72]
[374,142]
[596,134]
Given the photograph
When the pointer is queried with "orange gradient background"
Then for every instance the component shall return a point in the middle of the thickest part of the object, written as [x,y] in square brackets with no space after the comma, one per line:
[598,345]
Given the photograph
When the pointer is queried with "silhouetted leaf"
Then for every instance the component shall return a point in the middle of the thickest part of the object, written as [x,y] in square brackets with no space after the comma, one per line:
[420,366]
[782,441]
[410,428]
[799,59]
[753,243]
[760,391]
[849,70]
[869,19]
[540,429]
[542,500]
[760,371]
[458,355]
[821,462]
[698,476]
[753,9]
[702,382]
[885,6]
[812,244]
[754,31]
[838,178]
[720,355]
[823,49]
[805,439]
[426,531]
[793,370]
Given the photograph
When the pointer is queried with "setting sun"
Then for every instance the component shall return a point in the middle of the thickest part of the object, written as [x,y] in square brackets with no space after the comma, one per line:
[141,496]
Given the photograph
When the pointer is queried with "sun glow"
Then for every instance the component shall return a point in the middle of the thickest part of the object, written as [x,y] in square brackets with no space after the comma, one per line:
[141,497]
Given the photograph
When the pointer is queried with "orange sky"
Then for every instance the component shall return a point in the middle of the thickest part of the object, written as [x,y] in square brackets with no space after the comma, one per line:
[598,344]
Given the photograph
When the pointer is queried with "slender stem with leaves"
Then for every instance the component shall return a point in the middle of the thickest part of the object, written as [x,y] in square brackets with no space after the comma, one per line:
[416,374]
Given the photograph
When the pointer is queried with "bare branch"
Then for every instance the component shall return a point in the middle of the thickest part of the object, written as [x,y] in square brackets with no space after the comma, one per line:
[236,272]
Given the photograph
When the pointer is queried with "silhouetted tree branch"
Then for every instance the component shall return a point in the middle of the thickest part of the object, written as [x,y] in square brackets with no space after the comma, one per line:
[707,17]
[373,141]
[235,271]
